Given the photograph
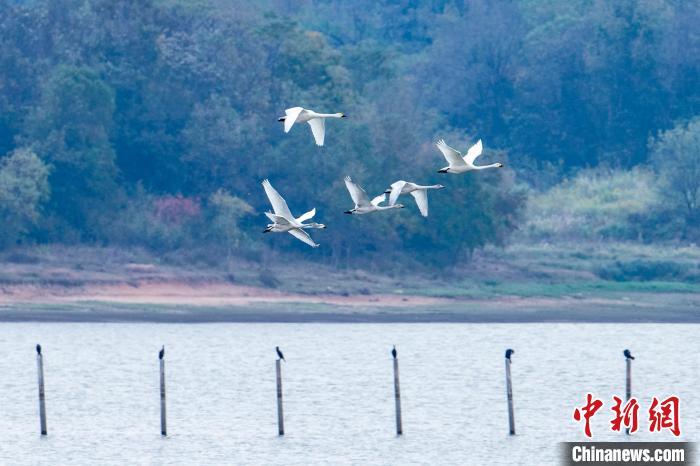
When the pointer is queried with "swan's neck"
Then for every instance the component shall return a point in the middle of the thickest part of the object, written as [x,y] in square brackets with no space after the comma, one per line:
[484,167]
[328,115]
[312,225]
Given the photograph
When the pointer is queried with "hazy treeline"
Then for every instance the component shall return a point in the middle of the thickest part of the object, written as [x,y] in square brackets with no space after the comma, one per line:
[152,122]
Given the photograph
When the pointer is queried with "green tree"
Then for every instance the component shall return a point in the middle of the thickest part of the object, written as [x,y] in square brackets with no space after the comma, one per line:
[70,127]
[676,156]
[226,212]
[216,142]
[23,188]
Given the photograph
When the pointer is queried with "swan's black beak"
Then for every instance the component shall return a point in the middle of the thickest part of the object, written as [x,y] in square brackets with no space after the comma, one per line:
[344,116]
[443,170]
[267,230]
[281,118]
[348,211]
[388,191]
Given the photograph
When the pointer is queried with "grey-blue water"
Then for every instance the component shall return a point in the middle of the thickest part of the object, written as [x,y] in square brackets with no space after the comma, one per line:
[103,399]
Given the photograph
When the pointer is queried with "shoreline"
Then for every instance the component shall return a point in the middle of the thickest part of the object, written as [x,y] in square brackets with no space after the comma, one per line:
[212,302]
[106,313]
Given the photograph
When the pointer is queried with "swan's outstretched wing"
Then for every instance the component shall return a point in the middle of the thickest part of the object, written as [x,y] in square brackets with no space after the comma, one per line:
[358,195]
[318,127]
[453,157]
[473,152]
[396,191]
[421,197]
[301,235]
[278,203]
[307,216]
[291,118]
[277,219]
[379,199]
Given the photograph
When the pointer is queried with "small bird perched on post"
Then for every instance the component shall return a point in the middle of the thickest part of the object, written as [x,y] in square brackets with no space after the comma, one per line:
[509,352]
[627,354]
[279,354]
[161,353]
[393,352]
[38,349]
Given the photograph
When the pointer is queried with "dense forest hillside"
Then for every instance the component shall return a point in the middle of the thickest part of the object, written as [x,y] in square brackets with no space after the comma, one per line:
[151,123]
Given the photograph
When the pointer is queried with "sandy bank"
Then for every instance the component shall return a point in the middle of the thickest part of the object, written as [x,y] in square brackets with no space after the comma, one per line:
[224,302]
[188,294]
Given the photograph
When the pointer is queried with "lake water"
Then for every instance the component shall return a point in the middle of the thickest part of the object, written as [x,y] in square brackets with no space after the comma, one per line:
[103,397]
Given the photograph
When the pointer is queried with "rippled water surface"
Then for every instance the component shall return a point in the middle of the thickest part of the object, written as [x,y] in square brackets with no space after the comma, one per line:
[103,399]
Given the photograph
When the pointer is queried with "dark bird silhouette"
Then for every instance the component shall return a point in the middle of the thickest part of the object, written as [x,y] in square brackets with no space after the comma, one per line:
[161,353]
[279,353]
[38,349]
[393,352]
[627,354]
[509,352]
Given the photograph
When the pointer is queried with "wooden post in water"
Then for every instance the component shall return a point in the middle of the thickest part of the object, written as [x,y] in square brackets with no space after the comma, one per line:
[628,377]
[42,398]
[509,392]
[163,423]
[397,394]
[280,410]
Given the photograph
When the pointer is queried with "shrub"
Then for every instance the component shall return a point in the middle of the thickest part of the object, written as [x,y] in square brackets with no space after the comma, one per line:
[161,224]
[176,209]
[676,156]
[643,270]
[268,278]
[594,204]
[224,215]
[18,257]
[23,188]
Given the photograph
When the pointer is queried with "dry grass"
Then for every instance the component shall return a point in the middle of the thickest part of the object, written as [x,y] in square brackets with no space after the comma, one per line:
[528,270]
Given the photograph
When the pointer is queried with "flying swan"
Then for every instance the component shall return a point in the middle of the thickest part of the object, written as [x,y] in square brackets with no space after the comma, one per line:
[459,164]
[419,193]
[283,220]
[317,121]
[362,203]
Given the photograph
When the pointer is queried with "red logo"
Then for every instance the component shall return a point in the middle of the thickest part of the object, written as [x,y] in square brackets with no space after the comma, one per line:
[625,415]
[665,415]
[592,406]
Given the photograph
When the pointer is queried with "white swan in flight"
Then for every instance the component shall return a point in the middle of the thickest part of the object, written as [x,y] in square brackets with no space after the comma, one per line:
[419,193]
[459,164]
[317,121]
[362,203]
[284,221]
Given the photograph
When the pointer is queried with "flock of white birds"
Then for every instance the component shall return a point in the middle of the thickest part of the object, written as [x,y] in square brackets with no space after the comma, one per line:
[283,220]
